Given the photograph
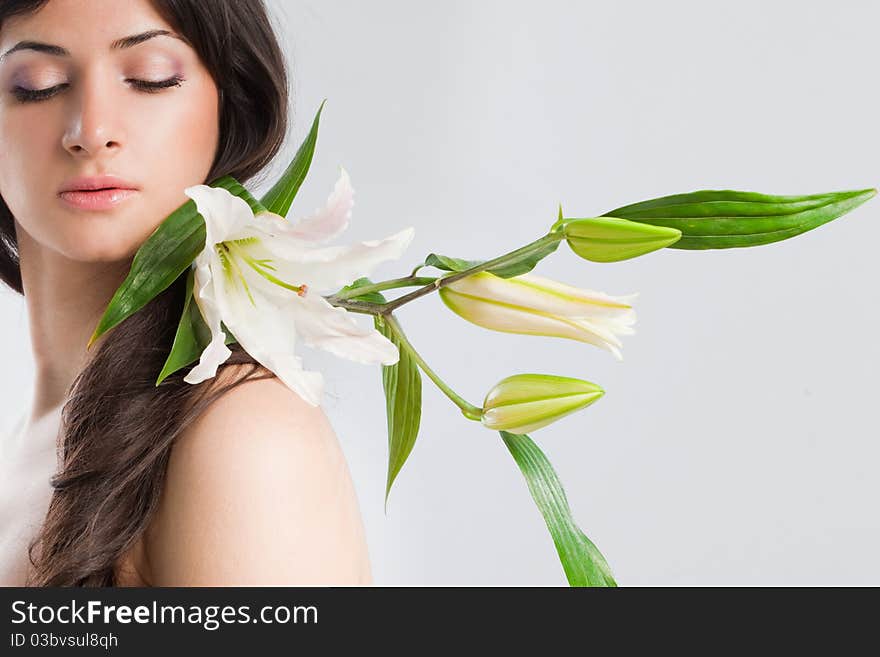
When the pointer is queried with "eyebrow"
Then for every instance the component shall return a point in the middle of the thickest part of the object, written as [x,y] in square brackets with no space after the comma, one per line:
[119,44]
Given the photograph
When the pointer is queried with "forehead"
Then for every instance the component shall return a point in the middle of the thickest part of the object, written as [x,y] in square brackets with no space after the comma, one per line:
[73,26]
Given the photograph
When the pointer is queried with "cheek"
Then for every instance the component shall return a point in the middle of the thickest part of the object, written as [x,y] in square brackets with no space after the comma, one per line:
[183,147]
[27,166]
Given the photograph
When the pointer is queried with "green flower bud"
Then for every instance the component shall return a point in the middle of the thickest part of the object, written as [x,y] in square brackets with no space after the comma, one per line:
[609,239]
[524,402]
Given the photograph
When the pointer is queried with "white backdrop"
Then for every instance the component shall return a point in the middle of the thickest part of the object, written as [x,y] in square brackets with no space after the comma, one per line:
[736,443]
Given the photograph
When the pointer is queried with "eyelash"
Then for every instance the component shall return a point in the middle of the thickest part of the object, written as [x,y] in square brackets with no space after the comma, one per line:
[35,95]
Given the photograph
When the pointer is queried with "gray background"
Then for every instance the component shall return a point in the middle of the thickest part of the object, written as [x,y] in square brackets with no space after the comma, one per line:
[736,442]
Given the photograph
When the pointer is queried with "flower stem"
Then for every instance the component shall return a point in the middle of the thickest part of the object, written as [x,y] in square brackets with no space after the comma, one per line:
[430,284]
[385,285]
[537,245]
[355,306]
[470,411]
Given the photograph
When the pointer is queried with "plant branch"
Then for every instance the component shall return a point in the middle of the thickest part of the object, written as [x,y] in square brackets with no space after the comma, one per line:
[384,285]
[430,284]
[391,306]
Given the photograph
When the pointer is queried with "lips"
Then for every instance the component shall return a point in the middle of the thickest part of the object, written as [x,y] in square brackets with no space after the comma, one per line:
[102,199]
[90,183]
[102,192]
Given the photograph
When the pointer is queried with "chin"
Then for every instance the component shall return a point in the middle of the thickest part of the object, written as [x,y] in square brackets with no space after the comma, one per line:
[95,249]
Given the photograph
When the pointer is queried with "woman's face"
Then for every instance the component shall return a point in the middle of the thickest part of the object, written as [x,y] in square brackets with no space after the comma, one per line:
[99,121]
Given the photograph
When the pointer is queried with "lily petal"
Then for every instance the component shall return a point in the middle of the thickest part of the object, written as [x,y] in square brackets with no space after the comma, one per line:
[330,221]
[323,325]
[226,215]
[329,268]
[205,297]
[267,332]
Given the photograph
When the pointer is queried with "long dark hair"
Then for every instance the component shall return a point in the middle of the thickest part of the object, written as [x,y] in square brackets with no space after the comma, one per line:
[119,427]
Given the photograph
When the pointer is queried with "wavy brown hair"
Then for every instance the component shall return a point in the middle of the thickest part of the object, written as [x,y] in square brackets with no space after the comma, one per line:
[119,427]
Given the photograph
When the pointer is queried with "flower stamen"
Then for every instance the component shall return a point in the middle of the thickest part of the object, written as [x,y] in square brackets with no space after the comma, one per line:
[231,264]
[261,265]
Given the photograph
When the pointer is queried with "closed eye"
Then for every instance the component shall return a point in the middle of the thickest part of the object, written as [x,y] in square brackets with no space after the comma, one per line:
[148,86]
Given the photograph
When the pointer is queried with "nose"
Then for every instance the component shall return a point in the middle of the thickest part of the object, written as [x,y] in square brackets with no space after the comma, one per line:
[96,118]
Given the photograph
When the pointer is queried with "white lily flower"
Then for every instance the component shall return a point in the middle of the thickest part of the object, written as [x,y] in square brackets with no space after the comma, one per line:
[263,276]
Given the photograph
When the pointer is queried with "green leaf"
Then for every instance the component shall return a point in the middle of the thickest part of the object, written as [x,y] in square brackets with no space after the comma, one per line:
[724,219]
[280,197]
[192,337]
[447,263]
[403,403]
[371,297]
[522,265]
[559,220]
[234,187]
[168,251]
[161,259]
[581,560]
[402,383]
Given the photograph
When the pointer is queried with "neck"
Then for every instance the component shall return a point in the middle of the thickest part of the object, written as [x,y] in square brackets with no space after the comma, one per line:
[65,299]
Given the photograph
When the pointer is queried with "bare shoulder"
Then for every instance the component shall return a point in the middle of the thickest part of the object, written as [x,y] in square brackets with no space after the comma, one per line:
[258,492]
